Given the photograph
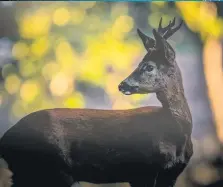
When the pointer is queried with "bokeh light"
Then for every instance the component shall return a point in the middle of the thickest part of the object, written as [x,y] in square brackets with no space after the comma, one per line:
[64,43]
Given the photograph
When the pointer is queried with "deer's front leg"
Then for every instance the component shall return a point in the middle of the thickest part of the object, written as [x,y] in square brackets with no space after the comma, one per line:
[166,181]
[168,177]
[148,182]
[143,184]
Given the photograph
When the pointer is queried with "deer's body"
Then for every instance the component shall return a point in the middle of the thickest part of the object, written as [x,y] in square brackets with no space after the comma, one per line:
[148,146]
[98,146]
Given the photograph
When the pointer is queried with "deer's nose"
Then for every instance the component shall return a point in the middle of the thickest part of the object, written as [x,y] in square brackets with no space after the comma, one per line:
[123,86]
[127,89]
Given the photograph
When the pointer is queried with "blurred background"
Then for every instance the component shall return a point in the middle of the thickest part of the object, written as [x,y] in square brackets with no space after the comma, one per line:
[74,55]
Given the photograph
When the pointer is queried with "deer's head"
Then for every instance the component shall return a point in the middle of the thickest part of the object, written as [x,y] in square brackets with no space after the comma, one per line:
[154,72]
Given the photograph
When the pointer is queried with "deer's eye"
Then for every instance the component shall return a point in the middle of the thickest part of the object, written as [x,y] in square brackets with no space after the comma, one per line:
[149,68]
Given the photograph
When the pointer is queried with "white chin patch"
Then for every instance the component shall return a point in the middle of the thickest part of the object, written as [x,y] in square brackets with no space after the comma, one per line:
[127,93]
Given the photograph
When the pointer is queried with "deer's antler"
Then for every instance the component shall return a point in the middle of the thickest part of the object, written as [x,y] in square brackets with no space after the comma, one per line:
[159,34]
[168,31]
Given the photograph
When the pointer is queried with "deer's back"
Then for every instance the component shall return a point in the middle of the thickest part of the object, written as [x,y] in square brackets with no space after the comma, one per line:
[85,125]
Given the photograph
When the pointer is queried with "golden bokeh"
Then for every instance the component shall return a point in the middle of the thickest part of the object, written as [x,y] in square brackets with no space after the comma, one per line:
[61,16]
[33,25]
[12,83]
[202,17]
[29,91]
[63,43]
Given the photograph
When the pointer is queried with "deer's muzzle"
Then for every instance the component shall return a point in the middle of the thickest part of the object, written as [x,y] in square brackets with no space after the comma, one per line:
[127,89]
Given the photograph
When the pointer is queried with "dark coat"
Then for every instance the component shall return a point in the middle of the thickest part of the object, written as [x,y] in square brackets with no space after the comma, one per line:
[98,146]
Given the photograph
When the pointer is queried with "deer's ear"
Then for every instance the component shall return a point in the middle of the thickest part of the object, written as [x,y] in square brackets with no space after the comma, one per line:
[164,47]
[147,41]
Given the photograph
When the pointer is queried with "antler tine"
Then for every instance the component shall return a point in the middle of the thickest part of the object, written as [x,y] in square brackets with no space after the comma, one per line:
[170,31]
[165,29]
[160,25]
[173,23]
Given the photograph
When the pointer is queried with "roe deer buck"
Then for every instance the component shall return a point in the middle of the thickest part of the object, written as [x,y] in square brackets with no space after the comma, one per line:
[148,146]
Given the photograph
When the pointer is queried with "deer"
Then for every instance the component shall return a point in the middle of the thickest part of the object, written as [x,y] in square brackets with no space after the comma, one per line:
[146,146]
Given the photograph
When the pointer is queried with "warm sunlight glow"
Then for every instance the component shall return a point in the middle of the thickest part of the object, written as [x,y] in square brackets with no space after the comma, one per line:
[61,16]
[12,84]
[202,17]
[40,46]
[214,77]
[74,101]
[29,90]
[35,24]
[60,85]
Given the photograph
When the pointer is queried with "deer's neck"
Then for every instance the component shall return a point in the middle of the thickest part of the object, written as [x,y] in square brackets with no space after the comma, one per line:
[173,100]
